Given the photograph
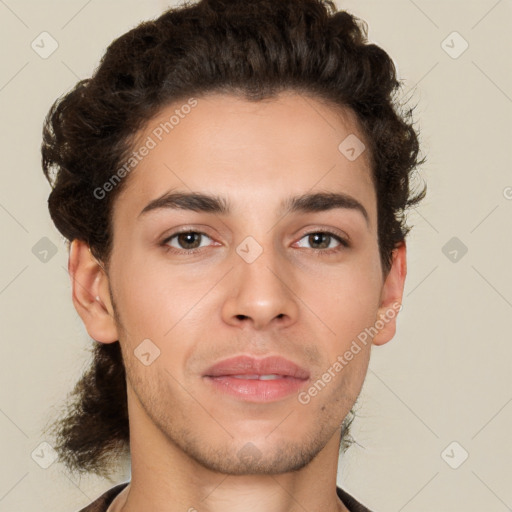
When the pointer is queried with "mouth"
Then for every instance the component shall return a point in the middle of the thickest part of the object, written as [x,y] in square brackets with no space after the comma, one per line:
[258,377]
[257,380]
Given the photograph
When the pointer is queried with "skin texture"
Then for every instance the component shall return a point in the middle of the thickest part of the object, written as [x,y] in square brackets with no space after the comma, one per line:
[298,302]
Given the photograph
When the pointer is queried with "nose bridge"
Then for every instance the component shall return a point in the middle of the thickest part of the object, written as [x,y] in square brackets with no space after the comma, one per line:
[261,269]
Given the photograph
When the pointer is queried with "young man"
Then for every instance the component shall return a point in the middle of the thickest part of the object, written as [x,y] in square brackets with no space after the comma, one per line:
[232,181]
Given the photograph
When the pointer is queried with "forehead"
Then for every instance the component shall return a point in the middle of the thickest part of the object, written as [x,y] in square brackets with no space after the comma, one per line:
[255,153]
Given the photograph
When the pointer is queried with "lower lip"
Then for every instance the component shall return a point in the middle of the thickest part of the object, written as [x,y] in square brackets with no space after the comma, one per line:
[255,390]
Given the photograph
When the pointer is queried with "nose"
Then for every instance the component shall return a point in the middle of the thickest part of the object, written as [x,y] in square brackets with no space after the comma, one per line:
[260,294]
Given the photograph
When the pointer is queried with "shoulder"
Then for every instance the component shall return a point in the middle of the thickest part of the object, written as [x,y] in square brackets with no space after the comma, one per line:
[101,503]
[350,502]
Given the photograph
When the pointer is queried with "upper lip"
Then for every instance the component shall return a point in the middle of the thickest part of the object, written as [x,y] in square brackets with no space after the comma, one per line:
[247,365]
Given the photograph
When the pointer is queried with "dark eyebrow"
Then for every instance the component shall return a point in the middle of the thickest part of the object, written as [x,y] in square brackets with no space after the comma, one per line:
[306,203]
[324,201]
[194,201]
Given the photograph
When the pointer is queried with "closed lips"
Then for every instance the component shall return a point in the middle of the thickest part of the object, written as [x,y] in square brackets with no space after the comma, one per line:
[248,367]
[260,377]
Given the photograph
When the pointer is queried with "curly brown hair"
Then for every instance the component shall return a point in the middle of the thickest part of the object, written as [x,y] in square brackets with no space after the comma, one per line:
[251,49]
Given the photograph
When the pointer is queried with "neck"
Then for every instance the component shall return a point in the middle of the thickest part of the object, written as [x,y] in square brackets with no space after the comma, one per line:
[165,479]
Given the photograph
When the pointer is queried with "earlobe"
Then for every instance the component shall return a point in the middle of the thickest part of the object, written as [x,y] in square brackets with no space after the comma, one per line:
[391,296]
[90,293]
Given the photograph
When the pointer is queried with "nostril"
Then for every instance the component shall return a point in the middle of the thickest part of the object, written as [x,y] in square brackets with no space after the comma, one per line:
[241,317]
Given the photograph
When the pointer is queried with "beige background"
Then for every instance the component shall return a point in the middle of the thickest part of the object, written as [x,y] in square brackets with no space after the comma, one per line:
[447,374]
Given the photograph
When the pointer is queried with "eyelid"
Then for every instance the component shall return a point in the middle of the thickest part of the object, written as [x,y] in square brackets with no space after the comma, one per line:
[174,234]
[185,229]
[343,237]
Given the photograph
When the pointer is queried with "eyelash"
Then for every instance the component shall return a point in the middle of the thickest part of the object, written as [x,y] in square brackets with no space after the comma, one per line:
[344,244]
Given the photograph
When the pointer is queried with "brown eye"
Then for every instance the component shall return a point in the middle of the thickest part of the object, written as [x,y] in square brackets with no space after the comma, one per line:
[189,240]
[185,241]
[324,241]
[319,240]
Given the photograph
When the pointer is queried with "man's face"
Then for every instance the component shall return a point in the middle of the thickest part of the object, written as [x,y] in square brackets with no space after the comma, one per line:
[262,281]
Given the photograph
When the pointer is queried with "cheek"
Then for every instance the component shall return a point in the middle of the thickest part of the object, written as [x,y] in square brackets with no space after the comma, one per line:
[348,306]
[154,298]
[347,302]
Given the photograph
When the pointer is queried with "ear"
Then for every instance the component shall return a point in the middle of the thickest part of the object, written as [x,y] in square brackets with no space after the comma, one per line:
[391,296]
[91,296]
